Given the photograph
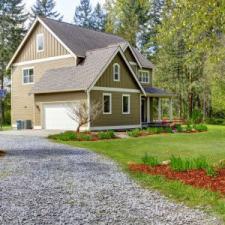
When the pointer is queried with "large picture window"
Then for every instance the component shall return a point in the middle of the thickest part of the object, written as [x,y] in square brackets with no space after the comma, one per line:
[126,104]
[144,76]
[28,76]
[107,103]
[40,42]
[116,72]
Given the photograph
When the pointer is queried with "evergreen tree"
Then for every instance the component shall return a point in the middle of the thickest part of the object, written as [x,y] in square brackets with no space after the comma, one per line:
[82,15]
[45,8]
[98,18]
[12,30]
[127,18]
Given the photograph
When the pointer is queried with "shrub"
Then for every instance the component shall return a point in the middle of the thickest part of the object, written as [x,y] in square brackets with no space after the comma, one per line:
[150,160]
[134,133]
[84,137]
[200,127]
[168,130]
[188,128]
[152,130]
[66,136]
[106,135]
[178,128]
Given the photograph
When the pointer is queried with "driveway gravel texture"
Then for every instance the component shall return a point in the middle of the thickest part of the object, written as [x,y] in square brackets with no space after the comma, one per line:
[46,183]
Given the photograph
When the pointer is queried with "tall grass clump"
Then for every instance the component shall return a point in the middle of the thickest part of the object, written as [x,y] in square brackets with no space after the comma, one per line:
[150,160]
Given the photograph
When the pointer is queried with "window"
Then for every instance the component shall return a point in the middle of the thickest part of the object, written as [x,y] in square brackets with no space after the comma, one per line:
[126,104]
[116,72]
[144,76]
[107,103]
[28,76]
[40,42]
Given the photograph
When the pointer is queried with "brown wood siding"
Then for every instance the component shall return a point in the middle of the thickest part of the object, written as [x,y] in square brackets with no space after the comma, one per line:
[129,55]
[117,118]
[22,101]
[51,46]
[54,97]
[126,78]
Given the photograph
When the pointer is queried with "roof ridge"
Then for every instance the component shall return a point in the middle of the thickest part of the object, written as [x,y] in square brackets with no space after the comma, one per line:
[96,49]
[84,28]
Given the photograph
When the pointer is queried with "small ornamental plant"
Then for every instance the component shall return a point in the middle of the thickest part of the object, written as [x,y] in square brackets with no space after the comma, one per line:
[150,160]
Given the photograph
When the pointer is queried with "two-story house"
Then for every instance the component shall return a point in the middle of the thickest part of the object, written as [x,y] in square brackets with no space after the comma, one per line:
[59,63]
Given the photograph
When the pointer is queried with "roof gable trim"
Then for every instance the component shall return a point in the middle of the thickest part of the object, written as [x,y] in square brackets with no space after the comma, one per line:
[133,53]
[118,50]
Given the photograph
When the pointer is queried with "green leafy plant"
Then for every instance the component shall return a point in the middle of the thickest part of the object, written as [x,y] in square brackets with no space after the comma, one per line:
[168,130]
[134,133]
[179,164]
[84,137]
[178,128]
[106,134]
[66,136]
[150,160]
[200,127]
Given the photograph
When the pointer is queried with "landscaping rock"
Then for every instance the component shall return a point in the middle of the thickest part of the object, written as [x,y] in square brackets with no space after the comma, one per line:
[47,183]
[166,162]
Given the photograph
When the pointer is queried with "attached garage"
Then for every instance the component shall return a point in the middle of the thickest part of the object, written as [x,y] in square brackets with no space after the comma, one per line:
[56,116]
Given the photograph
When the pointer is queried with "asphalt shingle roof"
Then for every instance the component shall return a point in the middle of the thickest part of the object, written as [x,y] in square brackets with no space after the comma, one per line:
[157,91]
[78,77]
[80,40]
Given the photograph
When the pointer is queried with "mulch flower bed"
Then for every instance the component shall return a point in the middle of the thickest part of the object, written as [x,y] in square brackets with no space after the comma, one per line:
[196,178]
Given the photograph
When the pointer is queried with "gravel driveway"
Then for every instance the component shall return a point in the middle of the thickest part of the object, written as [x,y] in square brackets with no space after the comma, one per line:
[46,183]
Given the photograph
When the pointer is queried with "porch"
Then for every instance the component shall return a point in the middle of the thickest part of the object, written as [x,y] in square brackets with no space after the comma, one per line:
[152,111]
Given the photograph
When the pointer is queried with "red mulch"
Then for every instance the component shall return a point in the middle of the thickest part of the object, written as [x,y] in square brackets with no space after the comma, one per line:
[196,178]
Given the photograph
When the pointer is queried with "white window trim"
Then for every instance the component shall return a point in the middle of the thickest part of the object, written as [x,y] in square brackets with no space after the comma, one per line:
[133,63]
[27,68]
[110,105]
[114,65]
[37,36]
[143,82]
[126,95]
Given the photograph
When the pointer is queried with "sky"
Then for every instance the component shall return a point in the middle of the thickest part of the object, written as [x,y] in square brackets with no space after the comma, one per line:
[65,7]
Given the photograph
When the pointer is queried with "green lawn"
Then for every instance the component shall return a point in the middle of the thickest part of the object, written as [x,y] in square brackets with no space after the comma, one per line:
[210,144]
[5,127]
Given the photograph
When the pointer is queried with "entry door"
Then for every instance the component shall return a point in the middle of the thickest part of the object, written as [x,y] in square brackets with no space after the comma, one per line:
[57,117]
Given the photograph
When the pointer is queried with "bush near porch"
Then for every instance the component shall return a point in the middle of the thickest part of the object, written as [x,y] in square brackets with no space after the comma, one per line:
[83,136]
[210,145]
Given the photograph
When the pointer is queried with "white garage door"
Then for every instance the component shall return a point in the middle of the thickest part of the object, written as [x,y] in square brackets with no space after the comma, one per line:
[56,117]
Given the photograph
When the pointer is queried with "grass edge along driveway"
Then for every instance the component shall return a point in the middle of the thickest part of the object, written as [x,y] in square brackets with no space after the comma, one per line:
[210,144]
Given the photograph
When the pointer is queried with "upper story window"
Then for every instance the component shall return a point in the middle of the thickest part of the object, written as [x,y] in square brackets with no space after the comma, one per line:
[40,42]
[28,76]
[144,76]
[107,103]
[126,104]
[116,72]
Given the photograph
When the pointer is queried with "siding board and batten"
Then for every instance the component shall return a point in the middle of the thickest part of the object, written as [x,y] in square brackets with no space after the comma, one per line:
[51,46]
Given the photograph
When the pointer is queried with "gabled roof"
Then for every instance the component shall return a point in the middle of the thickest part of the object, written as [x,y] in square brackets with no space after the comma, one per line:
[81,77]
[80,40]
[77,40]
[144,62]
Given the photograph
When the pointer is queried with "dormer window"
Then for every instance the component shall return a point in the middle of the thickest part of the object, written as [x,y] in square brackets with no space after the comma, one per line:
[144,76]
[116,72]
[40,42]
